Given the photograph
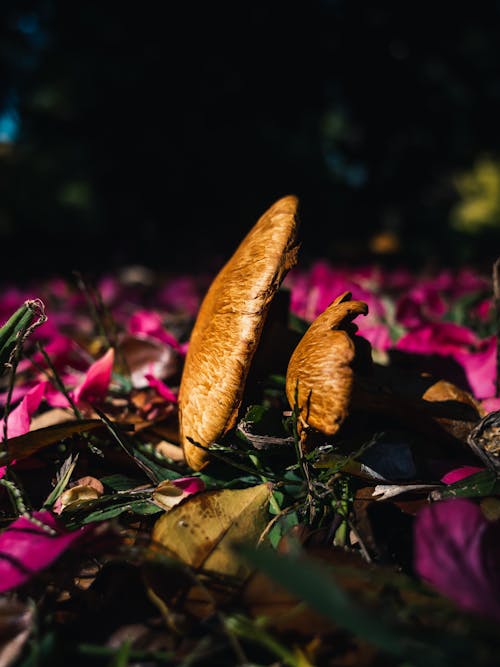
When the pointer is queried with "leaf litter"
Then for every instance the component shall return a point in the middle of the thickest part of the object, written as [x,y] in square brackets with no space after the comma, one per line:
[366,536]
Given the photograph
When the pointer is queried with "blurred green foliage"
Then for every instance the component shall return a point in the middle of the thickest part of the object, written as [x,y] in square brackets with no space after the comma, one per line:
[157,134]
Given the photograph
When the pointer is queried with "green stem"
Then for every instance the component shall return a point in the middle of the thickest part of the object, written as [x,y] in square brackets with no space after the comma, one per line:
[56,380]
[272,502]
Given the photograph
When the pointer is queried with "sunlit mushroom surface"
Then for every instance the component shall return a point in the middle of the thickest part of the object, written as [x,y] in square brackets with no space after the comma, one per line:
[320,376]
[228,328]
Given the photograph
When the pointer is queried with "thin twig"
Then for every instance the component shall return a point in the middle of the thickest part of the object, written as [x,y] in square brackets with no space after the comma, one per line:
[56,380]
[13,362]
[303,464]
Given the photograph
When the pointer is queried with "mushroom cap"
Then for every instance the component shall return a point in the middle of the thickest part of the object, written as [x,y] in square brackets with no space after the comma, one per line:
[320,376]
[228,328]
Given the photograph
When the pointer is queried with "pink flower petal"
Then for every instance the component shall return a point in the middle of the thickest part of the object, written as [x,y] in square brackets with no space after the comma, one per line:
[18,421]
[161,388]
[491,404]
[149,323]
[97,379]
[480,368]
[445,338]
[378,334]
[460,473]
[26,548]
[189,484]
[182,294]
[457,550]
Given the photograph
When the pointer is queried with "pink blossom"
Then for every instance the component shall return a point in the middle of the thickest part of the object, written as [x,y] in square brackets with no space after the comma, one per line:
[483,310]
[468,281]
[491,404]
[96,382]
[445,338]
[457,551]
[91,389]
[420,304]
[62,352]
[26,548]
[149,323]
[19,420]
[378,334]
[189,485]
[181,294]
[457,474]
[161,388]
[480,367]
[313,291]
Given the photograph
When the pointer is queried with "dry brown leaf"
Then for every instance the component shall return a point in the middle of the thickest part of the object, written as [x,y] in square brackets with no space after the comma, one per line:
[51,418]
[85,488]
[16,623]
[201,530]
[320,373]
[228,328]
[30,443]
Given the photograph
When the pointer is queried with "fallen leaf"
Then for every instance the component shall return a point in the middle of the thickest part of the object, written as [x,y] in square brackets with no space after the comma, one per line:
[202,530]
[30,443]
[16,624]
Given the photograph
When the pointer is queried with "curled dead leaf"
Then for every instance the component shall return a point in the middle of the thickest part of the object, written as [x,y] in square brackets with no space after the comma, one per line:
[86,488]
[228,328]
[16,625]
[320,374]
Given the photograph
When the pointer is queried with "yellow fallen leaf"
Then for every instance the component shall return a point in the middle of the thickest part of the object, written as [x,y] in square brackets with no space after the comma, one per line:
[202,530]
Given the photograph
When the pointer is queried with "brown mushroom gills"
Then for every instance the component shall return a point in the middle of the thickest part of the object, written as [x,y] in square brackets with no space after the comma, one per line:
[228,328]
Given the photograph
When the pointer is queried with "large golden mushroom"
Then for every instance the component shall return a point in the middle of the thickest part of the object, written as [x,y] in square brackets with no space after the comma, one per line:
[228,328]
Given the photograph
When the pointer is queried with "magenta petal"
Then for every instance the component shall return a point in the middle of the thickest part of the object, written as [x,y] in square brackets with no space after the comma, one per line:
[18,421]
[26,548]
[480,368]
[97,379]
[149,323]
[162,389]
[457,550]
[491,404]
[460,473]
[189,484]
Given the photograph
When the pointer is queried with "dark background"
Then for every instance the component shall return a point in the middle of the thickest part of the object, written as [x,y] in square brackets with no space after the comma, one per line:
[157,133]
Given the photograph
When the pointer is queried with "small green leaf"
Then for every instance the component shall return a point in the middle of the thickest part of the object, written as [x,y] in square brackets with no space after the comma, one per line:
[109,507]
[121,482]
[484,483]
[282,526]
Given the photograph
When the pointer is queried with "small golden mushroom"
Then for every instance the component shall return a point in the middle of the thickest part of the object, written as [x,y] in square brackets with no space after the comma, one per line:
[320,375]
[228,328]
